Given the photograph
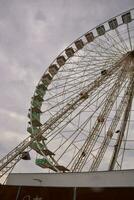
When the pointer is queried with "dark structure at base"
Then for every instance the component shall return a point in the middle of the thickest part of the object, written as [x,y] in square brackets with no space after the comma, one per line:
[64,193]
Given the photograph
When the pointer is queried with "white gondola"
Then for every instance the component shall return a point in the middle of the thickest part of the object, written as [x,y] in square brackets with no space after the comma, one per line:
[46,79]
[79,44]
[126,18]
[53,69]
[113,24]
[69,52]
[41,89]
[61,60]
[89,37]
[100,30]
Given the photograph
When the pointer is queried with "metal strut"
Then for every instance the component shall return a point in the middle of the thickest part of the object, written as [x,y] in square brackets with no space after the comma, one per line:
[98,125]
[127,99]
[121,131]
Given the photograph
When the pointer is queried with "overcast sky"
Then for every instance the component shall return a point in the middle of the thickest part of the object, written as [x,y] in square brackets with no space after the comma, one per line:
[32,34]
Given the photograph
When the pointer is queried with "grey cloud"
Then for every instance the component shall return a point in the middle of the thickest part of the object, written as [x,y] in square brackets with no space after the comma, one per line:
[40,16]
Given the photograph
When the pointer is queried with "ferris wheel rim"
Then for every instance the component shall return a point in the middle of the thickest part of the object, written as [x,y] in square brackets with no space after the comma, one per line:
[132,9]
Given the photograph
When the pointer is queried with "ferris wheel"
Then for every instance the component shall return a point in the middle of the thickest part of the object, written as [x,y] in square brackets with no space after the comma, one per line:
[81,114]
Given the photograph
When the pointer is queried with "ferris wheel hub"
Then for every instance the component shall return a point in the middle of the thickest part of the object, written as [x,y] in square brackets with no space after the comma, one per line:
[128,63]
[132,54]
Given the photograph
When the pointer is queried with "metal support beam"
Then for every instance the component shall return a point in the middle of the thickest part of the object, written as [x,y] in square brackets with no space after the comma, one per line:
[121,131]
[123,105]
[98,125]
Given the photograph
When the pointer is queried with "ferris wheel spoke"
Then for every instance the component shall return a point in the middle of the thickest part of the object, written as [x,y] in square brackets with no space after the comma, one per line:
[125,141]
[82,81]
[83,108]
[112,128]
[129,37]
[74,92]
[115,44]
[71,79]
[124,45]
[88,65]
[121,133]
[102,89]
[71,120]
[109,81]
[108,51]
[100,54]
[98,125]
[96,106]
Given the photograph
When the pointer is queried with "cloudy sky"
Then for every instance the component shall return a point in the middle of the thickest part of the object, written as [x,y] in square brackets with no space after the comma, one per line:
[32,34]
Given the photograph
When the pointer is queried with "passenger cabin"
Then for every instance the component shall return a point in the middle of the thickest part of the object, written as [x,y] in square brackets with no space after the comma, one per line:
[100,119]
[41,90]
[113,24]
[104,72]
[32,130]
[126,18]
[36,123]
[79,44]
[89,37]
[38,98]
[40,148]
[53,69]
[69,52]
[46,79]
[71,106]
[37,147]
[96,83]
[36,103]
[34,115]
[61,60]
[44,163]
[110,133]
[84,95]
[100,30]
[34,109]
[40,138]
